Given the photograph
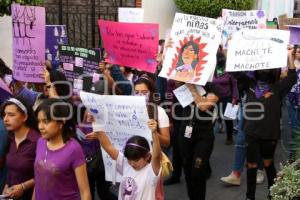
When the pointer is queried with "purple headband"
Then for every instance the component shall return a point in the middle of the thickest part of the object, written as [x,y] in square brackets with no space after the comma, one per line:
[136,145]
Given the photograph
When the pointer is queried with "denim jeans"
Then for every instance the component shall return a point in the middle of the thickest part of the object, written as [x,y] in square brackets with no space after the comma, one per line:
[294,114]
[240,148]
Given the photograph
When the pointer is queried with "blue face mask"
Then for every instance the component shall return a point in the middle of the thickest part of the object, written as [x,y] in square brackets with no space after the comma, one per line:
[147,96]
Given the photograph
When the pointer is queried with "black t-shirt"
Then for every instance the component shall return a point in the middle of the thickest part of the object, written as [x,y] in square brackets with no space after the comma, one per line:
[262,116]
[200,121]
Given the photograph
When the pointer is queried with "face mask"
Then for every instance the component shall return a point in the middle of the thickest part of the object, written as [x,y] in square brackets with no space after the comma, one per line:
[147,96]
[220,71]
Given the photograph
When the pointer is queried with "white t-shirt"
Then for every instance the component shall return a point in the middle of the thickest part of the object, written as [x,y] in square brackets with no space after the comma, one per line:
[163,119]
[136,185]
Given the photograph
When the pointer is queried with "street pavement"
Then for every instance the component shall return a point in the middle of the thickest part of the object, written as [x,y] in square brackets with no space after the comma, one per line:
[221,163]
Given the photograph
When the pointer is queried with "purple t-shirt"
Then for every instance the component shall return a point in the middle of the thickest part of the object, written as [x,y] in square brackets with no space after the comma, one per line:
[20,161]
[55,171]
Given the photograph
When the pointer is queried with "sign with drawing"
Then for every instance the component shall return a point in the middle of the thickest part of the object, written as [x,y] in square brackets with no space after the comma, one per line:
[257,49]
[192,58]
[28,42]
[55,35]
[235,20]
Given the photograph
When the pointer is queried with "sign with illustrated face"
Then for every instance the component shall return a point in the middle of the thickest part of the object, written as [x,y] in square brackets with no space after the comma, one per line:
[192,58]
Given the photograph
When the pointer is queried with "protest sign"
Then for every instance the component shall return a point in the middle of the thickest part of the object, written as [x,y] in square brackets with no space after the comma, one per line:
[184,95]
[231,111]
[130,44]
[131,15]
[121,117]
[295,34]
[55,35]
[235,20]
[192,58]
[257,49]
[28,42]
[78,64]
[6,40]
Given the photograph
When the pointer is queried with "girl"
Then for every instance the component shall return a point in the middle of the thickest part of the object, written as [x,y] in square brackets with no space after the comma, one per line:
[19,120]
[145,87]
[140,169]
[60,169]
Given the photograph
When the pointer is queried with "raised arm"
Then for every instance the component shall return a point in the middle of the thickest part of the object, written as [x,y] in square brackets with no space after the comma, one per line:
[155,160]
[107,145]
[203,103]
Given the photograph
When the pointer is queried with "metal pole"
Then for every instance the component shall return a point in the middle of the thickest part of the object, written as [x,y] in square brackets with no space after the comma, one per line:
[93,23]
[60,12]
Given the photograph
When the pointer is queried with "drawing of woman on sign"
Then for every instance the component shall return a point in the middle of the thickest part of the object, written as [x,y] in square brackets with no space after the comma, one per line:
[187,63]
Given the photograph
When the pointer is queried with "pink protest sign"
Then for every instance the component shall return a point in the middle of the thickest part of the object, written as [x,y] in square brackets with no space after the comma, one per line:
[28,42]
[130,44]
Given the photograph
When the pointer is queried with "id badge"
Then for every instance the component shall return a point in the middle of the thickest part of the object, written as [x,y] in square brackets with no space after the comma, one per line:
[188,131]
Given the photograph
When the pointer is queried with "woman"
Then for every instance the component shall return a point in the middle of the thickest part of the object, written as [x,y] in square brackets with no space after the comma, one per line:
[198,140]
[293,105]
[60,169]
[262,128]
[145,87]
[20,121]
[226,84]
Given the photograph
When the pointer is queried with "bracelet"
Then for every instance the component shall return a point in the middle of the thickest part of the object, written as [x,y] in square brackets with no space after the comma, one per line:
[23,187]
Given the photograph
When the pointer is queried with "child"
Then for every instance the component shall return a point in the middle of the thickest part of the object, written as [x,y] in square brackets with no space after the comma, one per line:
[140,169]
[60,169]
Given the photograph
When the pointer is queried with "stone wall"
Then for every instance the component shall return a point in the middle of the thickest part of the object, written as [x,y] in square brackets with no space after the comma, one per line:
[77,15]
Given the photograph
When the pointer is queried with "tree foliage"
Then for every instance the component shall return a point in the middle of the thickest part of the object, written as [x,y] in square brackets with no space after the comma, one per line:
[5,5]
[212,8]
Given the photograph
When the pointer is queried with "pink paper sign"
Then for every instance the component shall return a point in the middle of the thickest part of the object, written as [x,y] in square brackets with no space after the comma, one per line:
[28,42]
[130,44]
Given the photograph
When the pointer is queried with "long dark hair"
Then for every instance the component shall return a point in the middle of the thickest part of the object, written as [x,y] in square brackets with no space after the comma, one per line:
[31,120]
[62,112]
[196,50]
[153,102]
[136,147]
[4,69]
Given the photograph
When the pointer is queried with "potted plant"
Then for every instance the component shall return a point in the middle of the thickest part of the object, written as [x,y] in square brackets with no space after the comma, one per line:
[212,8]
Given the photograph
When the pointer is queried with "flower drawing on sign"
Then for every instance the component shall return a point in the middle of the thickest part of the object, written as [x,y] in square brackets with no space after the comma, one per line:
[260,14]
[188,63]
[150,61]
